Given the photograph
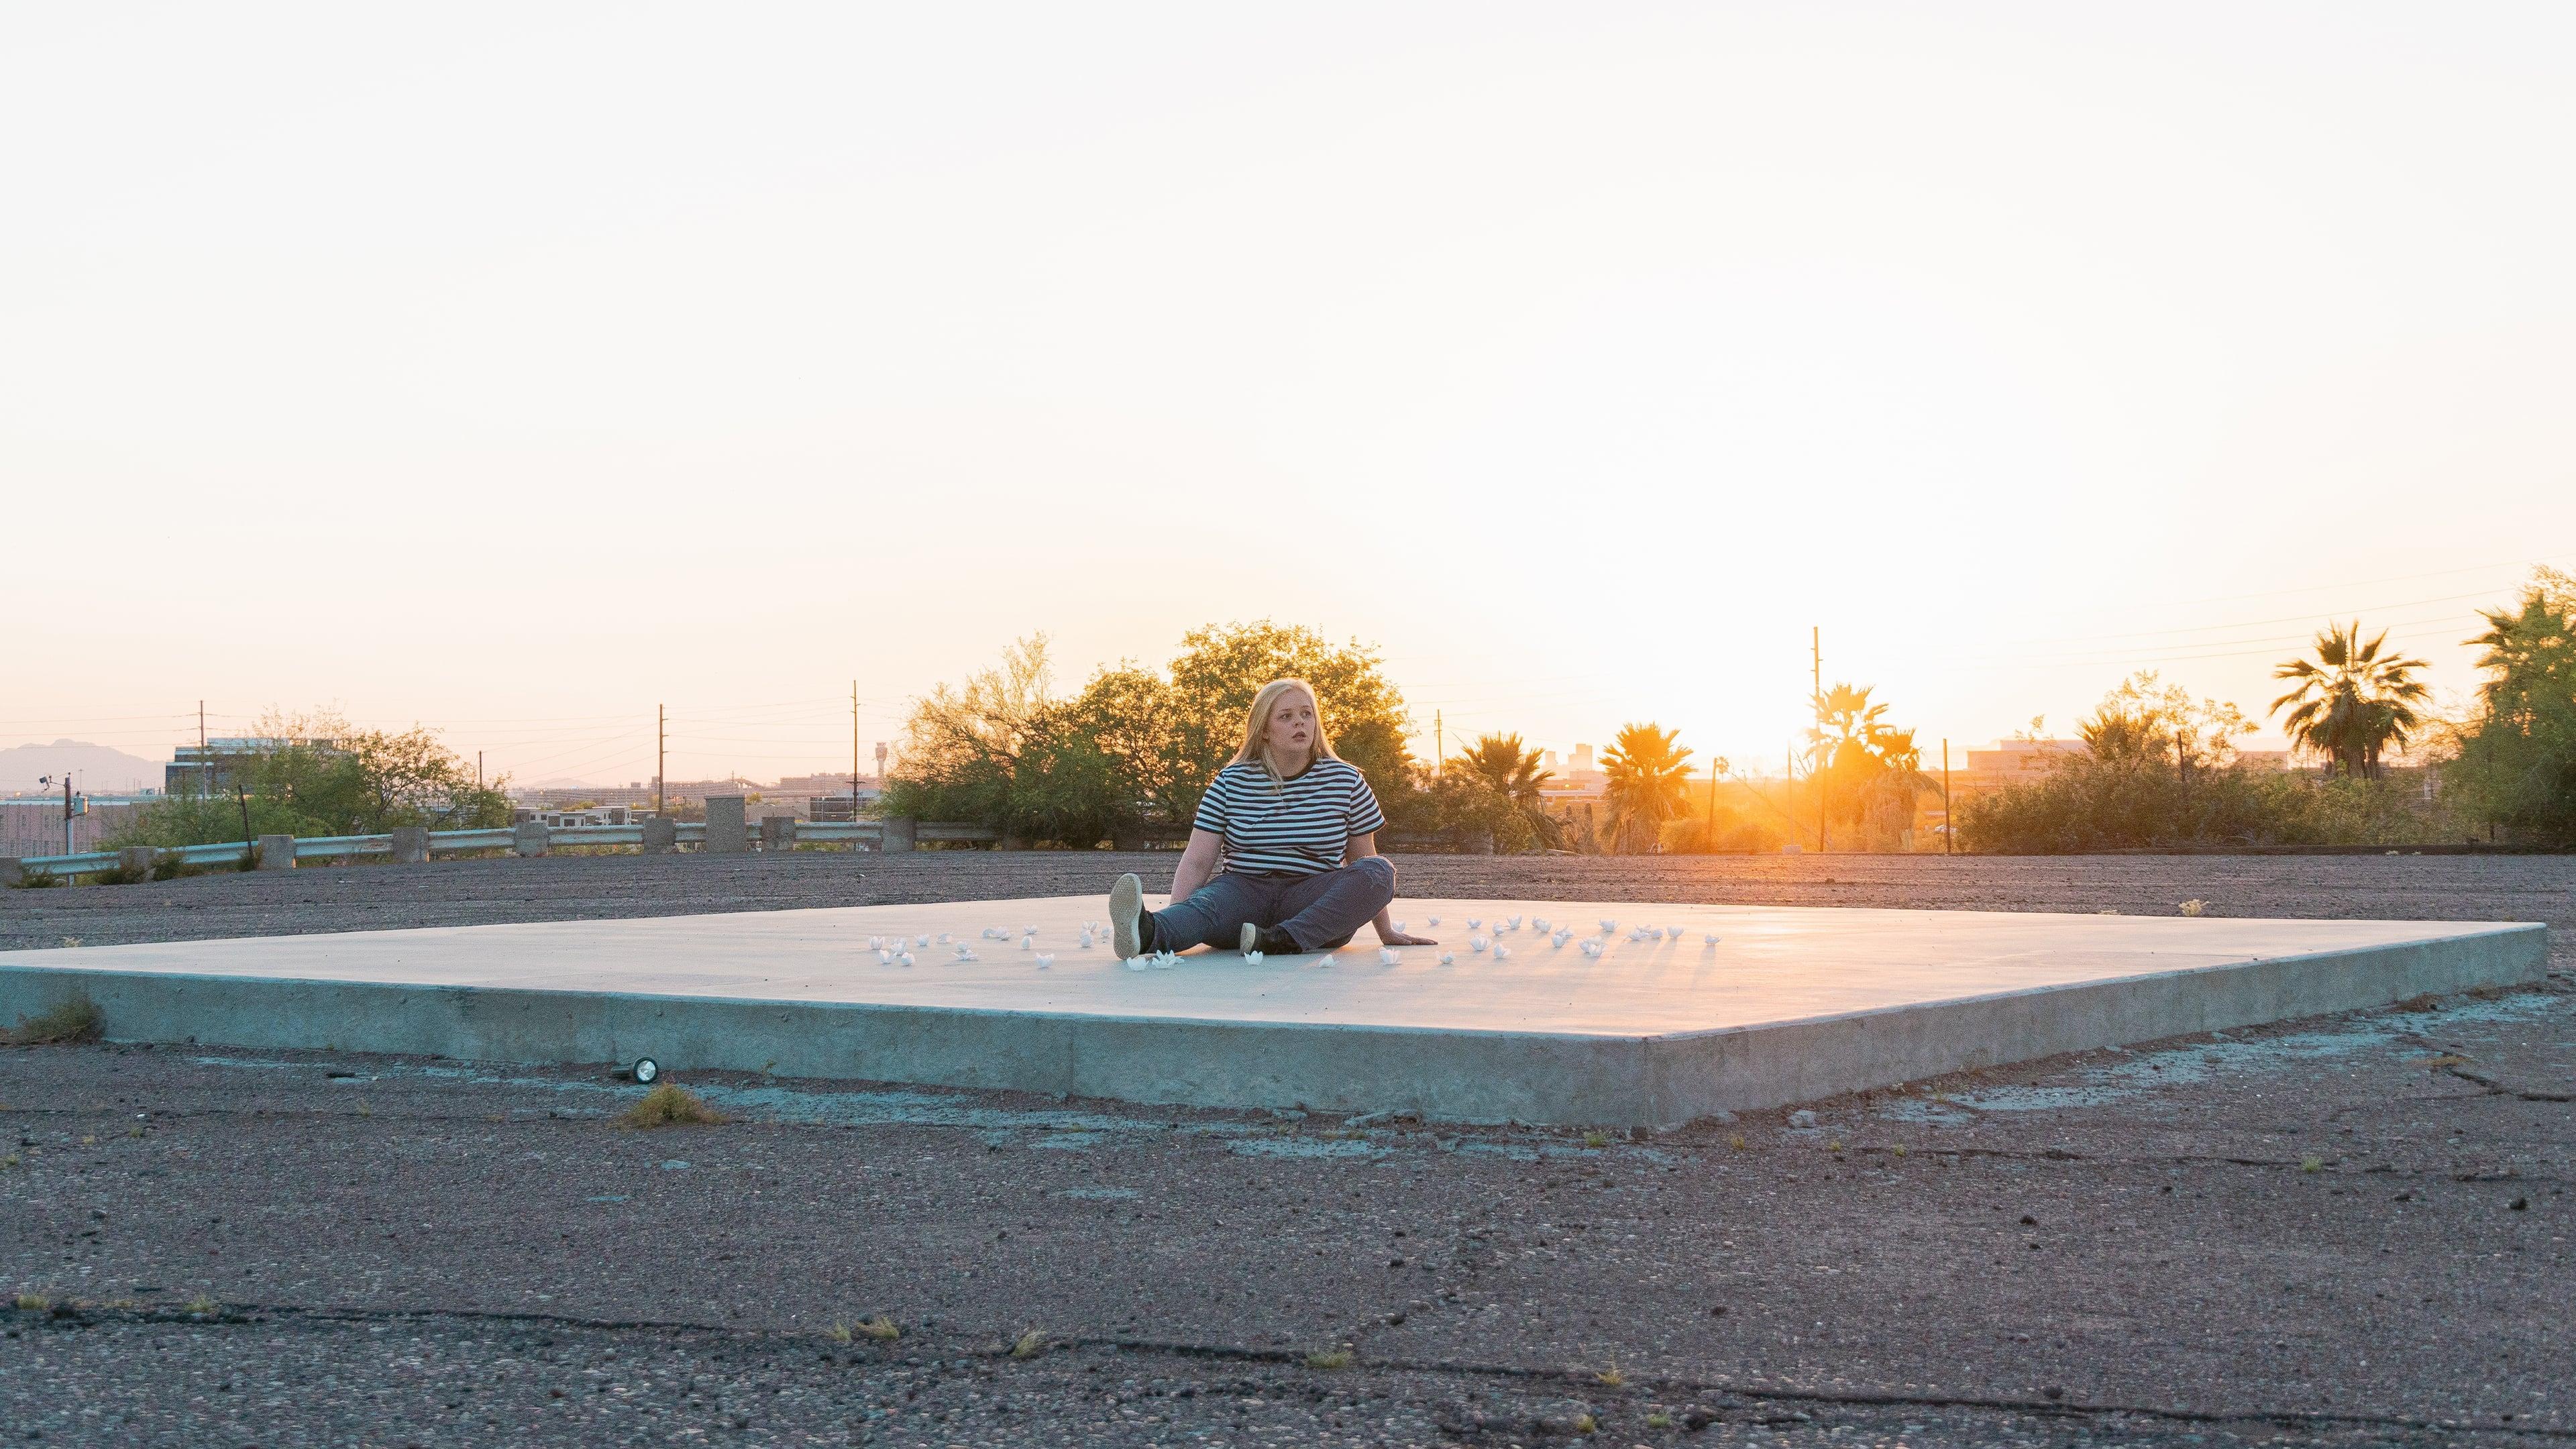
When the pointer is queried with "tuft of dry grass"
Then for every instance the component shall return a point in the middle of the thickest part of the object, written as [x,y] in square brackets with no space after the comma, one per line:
[838,1333]
[1586,1424]
[33,1302]
[1331,1359]
[203,1305]
[670,1104]
[2312,1164]
[1029,1344]
[72,1019]
[1611,1377]
[881,1328]
[1596,1139]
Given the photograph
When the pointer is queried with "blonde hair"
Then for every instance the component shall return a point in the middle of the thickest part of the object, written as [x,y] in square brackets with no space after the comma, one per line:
[1256,727]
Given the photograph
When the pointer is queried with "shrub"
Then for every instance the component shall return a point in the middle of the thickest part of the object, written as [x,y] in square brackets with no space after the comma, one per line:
[670,1104]
[72,1019]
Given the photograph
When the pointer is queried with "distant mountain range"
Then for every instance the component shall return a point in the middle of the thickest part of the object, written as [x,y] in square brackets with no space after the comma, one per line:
[95,769]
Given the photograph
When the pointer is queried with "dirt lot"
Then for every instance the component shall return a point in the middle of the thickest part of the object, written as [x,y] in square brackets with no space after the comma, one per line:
[2346,1230]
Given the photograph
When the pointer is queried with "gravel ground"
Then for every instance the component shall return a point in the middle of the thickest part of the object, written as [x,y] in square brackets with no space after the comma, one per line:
[2346,1230]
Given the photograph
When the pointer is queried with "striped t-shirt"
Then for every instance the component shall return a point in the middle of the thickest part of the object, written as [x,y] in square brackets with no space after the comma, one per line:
[1299,826]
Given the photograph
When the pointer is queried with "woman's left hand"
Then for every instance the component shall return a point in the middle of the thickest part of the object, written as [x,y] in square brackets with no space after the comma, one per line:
[1399,938]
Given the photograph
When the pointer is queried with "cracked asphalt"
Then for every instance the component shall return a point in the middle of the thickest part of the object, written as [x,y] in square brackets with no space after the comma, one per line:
[2351,1229]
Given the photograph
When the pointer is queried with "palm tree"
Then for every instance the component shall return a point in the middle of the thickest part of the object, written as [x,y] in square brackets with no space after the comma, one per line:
[2351,702]
[1500,764]
[1871,771]
[1647,777]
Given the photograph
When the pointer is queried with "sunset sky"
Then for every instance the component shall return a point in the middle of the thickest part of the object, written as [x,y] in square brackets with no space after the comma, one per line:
[512,369]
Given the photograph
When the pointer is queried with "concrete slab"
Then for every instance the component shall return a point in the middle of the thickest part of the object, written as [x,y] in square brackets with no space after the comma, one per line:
[1787,1005]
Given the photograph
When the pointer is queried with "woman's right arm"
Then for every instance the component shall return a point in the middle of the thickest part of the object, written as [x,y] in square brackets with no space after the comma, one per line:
[1198,863]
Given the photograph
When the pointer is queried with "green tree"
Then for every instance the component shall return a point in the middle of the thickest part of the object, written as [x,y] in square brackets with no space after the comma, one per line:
[2516,762]
[2145,718]
[1222,666]
[2353,701]
[315,775]
[1647,775]
[1501,766]
[1002,750]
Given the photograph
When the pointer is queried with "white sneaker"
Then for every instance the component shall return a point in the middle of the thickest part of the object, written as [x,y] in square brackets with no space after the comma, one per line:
[1126,906]
[1249,940]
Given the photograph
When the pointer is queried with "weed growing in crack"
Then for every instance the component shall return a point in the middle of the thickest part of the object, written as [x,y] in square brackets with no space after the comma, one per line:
[1331,1359]
[1586,1424]
[1736,1142]
[2312,1164]
[1611,1377]
[838,1333]
[1029,1344]
[881,1328]
[670,1104]
[1659,1420]
[33,1302]
[202,1305]
[1596,1139]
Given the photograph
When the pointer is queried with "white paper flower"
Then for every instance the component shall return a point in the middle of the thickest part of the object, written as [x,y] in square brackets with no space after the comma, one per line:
[1386,956]
[1502,953]
[1448,958]
[1252,958]
[1045,959]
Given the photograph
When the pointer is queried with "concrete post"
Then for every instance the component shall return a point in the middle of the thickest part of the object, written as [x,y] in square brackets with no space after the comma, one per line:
[777,832]
[411,844]
[135,861]
[898,833]
[661,835]
[725,832]
[528,837]
[277,852]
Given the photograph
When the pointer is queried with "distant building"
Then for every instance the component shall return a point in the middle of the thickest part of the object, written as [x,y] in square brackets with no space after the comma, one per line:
[209,769]
[566,819]
[33,824]
[837,808]
[2005,759]
[1579,782]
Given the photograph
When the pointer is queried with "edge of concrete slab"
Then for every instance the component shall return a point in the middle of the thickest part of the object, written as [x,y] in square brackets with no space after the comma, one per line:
[1459,1075]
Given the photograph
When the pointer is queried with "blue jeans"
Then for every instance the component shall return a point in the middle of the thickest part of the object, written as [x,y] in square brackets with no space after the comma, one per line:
[1319,912]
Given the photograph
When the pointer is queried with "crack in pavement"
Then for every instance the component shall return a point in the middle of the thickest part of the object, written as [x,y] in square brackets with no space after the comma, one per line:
[996,1344]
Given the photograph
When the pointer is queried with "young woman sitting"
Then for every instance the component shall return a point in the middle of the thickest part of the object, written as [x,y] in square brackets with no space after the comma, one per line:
[1283,853]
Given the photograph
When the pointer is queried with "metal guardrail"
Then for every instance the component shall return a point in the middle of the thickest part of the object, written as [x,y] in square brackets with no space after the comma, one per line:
[862,833]
[506,837]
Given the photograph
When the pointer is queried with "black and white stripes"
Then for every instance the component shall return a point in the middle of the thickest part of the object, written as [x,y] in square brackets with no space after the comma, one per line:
[1297,826]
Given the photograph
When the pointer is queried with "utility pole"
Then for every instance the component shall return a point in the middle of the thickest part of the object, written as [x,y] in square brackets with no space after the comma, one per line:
[204,765]
[1949,822]
[1439,743]
[661,746]
[1816,648]
[854,754]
